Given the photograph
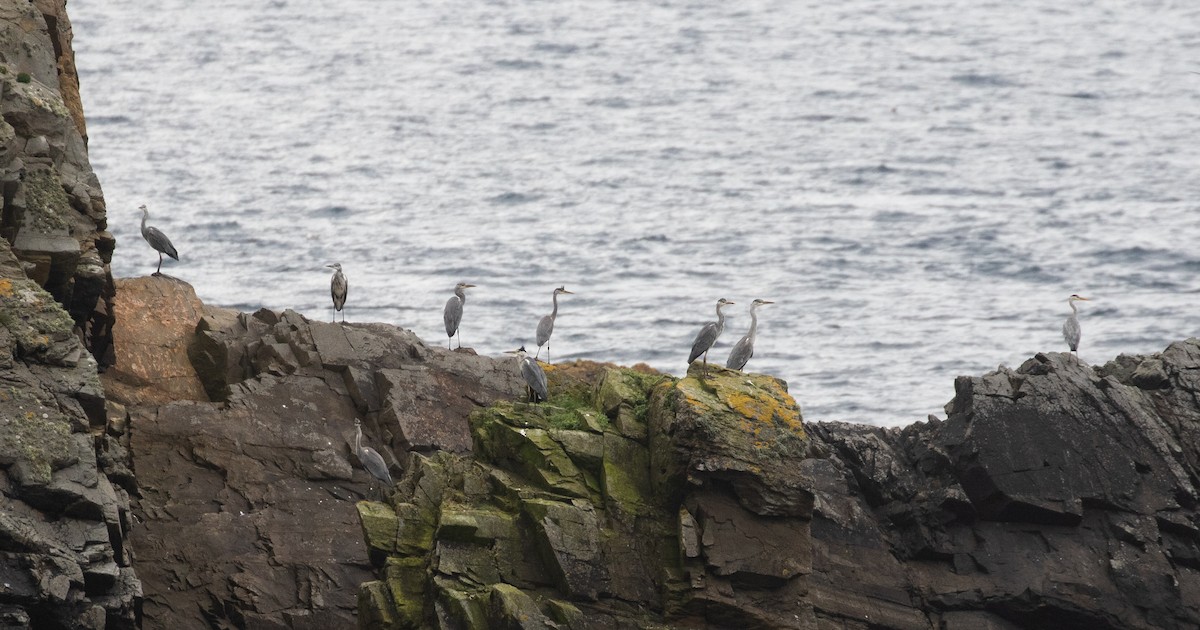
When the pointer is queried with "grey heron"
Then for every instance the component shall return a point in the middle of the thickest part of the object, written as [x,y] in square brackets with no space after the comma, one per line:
[452,316]
[708,335]
[157,240]
[338,288]
[371,460]
[546,325]
[744,348]
[1071,330]
[532,374]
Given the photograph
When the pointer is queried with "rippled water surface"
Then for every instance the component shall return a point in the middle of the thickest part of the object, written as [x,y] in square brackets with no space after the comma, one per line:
[919,184]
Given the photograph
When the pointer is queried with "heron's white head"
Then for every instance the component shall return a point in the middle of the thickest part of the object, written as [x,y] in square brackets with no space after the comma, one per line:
[1077,298]
[758,303]
[463,285]
[143,209]
[722,303]
[563,289]
[520,352]
[337,266]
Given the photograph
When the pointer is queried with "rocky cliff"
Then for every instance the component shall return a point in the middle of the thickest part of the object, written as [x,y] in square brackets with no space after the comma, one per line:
[65,561]
[1054,495]
[216,458]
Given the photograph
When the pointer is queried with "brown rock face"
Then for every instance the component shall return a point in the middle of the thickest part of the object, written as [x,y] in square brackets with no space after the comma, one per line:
[247,505]
[155,320]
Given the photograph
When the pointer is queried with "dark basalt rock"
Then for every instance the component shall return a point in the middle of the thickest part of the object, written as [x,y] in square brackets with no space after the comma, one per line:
[1055,495]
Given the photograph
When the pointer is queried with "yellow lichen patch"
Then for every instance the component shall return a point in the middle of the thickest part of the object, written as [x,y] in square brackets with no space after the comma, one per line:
[6,287]
[766,409]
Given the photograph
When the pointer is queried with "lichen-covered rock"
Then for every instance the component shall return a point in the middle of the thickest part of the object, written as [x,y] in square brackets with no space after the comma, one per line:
[64,559]
[570,528]
[733,428]
[54,212]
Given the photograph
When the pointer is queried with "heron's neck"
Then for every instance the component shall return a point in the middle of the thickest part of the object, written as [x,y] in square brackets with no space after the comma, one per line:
[144,216]
[720,318]
[554,313]
[1074,309]
[461,293]
[753,324]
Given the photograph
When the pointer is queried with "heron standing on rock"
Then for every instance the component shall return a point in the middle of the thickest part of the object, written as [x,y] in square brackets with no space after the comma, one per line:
[708,335]
[532,374]
[452,316]
[338,288]
[157,240]
[1071,331]
[371,460]
[546,326]
[744,349]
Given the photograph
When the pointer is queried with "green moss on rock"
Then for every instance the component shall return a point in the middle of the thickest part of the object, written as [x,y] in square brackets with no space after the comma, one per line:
[475,525]
[46,203]
[626,475]
[34,440]
[406,579]
[379,526]
[375,610]
[530,452]
[465,609]
[510,608]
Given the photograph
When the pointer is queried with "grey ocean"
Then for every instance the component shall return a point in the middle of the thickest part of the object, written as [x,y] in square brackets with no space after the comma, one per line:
[919,185]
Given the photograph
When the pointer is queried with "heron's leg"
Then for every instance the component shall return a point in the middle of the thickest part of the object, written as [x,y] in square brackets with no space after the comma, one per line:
[158,272]
[537,354]
[448,340]
[459,331]
[547,352]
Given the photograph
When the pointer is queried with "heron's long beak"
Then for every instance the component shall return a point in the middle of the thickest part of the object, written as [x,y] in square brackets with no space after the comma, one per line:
[767,302]
[566,291]
[468,286]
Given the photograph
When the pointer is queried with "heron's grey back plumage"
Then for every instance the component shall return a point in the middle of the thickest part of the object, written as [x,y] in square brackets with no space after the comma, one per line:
[155,237]
[159,241]
[534,377]
[544,329]
[742,351]
[370,459]
[452,315]
[704,340]
[744,348]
